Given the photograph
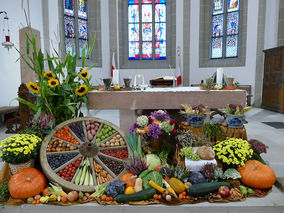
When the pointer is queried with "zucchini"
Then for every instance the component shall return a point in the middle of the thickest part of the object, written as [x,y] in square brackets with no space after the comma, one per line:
[142,195]
[202,189]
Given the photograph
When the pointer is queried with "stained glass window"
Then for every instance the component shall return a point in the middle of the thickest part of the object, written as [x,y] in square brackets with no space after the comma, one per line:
[225,28]
[150,41]
[76,25]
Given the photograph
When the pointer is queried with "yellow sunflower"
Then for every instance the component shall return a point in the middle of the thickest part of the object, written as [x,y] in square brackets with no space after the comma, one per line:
[82,90]
[49,74]
[33,87]
[53,82]
[84,73]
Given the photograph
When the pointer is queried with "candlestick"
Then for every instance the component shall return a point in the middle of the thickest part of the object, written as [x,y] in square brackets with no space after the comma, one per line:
[219,77]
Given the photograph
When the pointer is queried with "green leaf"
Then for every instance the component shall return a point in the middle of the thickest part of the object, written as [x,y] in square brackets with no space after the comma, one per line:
[91,46]
[83,53]
[29,104]
[27,46]
[93,65]
[71,108]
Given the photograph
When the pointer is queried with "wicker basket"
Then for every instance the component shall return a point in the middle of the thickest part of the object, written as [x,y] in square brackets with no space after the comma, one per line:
[17,167]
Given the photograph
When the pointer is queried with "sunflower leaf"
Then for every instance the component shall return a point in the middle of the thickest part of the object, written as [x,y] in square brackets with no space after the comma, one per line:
[91,46]
[29,104]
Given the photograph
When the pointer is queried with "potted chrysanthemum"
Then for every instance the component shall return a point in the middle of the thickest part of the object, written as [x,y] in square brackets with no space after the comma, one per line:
[20,150]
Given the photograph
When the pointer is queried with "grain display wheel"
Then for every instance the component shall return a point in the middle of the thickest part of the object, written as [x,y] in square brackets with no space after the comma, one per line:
[83,152]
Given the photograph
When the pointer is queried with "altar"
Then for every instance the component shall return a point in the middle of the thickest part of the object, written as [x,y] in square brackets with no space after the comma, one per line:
[161,98]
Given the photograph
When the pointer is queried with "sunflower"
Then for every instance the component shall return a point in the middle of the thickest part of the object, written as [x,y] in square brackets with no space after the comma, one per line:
[33,87]
[84,73]
[49,74]
[53,82]
[82,90]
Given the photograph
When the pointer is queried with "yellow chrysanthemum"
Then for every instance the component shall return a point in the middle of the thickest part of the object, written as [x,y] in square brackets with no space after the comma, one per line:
[26,152]
[82,90]
[49,75]
[33,87]
[84,73]
[53,82]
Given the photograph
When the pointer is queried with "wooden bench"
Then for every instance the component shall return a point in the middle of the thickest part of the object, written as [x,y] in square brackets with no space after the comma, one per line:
[4,110]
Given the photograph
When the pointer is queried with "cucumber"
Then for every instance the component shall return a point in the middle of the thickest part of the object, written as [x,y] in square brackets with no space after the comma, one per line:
[201,189]
[142,195]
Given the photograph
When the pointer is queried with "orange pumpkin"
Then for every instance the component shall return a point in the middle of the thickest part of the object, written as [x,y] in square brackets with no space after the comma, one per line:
[257,175]
[27,182]
[129,179]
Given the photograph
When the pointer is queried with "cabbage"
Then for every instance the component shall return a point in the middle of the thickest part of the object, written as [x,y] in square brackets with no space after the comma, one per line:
[153,161]
[153,175]
[115,188]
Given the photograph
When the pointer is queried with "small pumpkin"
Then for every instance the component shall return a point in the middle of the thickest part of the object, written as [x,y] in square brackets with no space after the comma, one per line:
[257,175]
[177,185]
[129,179]
[27,182]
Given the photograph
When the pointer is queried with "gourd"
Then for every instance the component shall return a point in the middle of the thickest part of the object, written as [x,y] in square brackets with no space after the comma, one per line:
[129,179]
[202,189]
[142,195]
[27,182]
[177,185]
[157,187]
[257,175]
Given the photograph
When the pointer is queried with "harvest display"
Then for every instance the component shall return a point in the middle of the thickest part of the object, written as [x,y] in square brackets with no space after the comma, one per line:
[90,160]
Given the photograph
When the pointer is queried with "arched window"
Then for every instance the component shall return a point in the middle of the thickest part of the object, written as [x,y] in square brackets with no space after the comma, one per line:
[225,29]
[147,33]
[75,25]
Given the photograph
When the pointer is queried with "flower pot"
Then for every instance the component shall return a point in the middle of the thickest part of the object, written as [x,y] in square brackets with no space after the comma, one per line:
[235,121]
[17,167]
[195,120]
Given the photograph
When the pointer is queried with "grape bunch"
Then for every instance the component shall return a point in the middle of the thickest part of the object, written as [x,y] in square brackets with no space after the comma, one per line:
[55,161]
[188,152]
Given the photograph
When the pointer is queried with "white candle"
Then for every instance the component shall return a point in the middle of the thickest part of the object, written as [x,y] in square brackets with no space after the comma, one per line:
[219,77]
[115,78]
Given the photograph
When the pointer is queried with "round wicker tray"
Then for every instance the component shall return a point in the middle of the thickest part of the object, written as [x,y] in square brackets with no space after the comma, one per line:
[86,148]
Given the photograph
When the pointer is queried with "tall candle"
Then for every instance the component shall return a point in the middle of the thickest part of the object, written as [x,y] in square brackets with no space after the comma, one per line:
[219,77]
[115,78]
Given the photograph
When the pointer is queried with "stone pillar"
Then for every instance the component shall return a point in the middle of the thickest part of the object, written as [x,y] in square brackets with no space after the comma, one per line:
[27,74]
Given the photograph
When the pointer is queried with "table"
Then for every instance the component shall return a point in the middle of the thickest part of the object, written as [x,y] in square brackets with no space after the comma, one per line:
[161,98]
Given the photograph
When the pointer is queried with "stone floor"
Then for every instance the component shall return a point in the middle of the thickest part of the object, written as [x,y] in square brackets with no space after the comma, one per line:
[274,202]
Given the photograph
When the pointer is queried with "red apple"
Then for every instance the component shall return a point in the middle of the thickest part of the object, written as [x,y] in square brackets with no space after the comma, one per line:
[72,196]
[224,191]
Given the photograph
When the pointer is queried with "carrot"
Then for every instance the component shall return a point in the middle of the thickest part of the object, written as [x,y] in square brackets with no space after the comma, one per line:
[103,197]
[187,197]
[167,179]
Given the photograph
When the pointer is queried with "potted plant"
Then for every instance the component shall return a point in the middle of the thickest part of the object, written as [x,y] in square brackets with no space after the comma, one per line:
[20,150]
[195,115]
[154,126]
[235,115]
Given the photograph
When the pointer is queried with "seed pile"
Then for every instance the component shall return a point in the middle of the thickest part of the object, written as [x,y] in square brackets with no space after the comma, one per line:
[55,161]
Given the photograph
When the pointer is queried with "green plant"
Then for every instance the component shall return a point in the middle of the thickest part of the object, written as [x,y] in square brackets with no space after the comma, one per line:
[19,148]
[233,152]
[62,90]
[236,109]
[4,191]
[231,173]
[213,130]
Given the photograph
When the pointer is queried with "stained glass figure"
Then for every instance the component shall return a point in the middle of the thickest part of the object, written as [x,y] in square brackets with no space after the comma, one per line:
[160,50]
[232,46]
[134,50]
[146,1]
[147,13]
[160,31]
[160,13]
[69,26]
[133,32]
[81,44]
[83,28]
[216,48]
[233,5]
[147,32]
[82,9]
[70,46]
[217,25]
[160,1]
[69,7]
[133,13]
[233,23]
[218,6]
[147,50]
[133,2]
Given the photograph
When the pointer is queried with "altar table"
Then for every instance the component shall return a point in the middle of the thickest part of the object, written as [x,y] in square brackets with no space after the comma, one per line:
[161,98]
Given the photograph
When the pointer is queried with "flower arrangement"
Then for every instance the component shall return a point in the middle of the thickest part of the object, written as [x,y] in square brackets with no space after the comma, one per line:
[19,148]
[43,122]
[156,124]
[62,89]
[233,152]
[236,109]
[193,110]
[258,146]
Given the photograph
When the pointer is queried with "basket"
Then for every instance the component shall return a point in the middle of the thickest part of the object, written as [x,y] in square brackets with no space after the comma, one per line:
[17,167]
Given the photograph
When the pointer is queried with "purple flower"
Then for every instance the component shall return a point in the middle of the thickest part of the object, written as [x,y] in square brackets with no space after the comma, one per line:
[154,130]
[160,115]
[133,128]
[258,146]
